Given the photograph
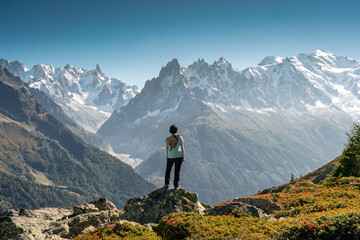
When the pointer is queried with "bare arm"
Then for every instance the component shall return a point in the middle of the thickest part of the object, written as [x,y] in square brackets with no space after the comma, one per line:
[183,151]
[167,148]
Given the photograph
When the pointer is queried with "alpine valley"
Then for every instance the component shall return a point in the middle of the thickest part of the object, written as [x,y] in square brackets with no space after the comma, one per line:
[43,164]
[244,130]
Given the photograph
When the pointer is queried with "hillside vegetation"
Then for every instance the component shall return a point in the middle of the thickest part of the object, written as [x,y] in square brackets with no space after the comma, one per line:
[76,177]
[349,162]
[42,161]
[327,210]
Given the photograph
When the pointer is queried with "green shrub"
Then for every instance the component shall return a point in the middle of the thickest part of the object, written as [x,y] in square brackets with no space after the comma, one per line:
[344,226]
[119,230]
[186,225]
[349,163]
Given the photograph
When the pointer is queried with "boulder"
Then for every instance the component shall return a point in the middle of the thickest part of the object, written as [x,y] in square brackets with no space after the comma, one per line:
[103,204]
[265,204]
[85,208]
[56,223]
[86,222]
[237,209]
[152,207]
[100,205]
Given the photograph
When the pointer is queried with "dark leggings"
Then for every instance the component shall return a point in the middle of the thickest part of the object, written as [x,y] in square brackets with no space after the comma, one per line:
[170,163]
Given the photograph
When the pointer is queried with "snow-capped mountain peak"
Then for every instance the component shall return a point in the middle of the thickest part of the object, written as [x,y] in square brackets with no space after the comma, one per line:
[41,71]
[322,54]
[89,96]
[15,67]
[308,82]
[270,60]
[302,83]
[222,61]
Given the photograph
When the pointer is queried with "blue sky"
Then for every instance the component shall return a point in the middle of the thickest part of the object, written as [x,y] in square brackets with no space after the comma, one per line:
[132,40]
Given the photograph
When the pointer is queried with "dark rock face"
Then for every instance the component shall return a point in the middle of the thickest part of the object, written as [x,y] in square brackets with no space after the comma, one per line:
[57,223]
[236,209]
[267,205]
[152,207]
[16,100]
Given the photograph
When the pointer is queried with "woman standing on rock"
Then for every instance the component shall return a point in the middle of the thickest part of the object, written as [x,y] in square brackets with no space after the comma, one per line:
[175,154]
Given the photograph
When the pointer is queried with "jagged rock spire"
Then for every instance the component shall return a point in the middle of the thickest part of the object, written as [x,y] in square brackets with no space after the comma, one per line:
[97,69]
[171,68]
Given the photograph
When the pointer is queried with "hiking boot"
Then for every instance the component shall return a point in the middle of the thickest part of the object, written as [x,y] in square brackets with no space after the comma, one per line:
[166,187]
[176,187]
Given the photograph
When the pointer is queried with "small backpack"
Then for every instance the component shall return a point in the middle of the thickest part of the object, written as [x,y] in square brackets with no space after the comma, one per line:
[172,141]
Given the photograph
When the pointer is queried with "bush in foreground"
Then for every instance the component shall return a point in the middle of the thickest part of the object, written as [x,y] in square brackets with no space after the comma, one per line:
[349,163]
[196,226]
[119,230]
[329,210]
[343,226]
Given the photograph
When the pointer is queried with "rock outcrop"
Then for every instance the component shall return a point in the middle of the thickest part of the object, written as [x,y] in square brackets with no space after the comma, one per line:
[152,207]
[95,206]
[265,204]
[237,209]
[60,223]
[56,223]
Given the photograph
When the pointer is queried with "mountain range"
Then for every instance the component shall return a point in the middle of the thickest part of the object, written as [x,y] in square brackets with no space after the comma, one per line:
[88,96]
[42,163]
[243,130]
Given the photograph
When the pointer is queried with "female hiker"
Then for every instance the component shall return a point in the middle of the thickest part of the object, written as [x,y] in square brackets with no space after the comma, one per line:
[174,154]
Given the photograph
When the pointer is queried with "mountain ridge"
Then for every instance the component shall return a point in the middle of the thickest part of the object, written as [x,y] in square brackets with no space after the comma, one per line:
[38,149]
[88,96]
[320,73]
[282,123]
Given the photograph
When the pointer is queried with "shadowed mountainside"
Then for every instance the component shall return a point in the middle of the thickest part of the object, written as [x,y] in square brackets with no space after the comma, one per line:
[38,149]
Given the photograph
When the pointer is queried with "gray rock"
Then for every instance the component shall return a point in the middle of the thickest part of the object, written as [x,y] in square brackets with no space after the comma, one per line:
[104,204]
[85,208]
[152,207]
[99,205]
[56,223]
[237,209]
[30,224]
[86,222]
[265,204]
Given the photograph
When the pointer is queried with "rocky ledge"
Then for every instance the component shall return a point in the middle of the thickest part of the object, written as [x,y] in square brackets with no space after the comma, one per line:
[56,223]
[152,207]
[60,223]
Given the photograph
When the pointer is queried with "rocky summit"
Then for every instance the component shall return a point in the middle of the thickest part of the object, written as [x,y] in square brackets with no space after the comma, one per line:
[161,202]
